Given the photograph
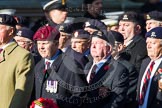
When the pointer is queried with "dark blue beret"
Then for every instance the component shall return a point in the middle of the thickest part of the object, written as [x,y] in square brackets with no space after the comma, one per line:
[66,28]
[55,4]
[115,36]
[7,20]
[100,35]
[25,32]
[81,34]
[155,15]
[155,33]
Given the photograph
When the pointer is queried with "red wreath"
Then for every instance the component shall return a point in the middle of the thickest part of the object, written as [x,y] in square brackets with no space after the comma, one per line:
[44,103]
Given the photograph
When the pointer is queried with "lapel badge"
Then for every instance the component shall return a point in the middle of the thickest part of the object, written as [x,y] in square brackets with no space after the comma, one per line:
[52,86]
[0,19]
[125,17]
[153,34]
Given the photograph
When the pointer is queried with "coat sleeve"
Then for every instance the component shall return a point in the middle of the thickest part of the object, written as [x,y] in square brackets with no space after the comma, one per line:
[24,77]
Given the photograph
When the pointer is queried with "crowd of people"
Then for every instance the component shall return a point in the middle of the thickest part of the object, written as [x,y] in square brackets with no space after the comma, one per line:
[84,64]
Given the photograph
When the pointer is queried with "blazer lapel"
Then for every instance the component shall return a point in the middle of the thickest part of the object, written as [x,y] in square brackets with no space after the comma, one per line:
[7,51]
[88,67]
[2,56]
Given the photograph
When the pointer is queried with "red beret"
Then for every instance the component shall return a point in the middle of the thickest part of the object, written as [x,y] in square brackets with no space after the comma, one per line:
[47,33]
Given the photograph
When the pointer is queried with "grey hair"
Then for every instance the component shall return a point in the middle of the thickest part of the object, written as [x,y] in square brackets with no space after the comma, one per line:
[160,41]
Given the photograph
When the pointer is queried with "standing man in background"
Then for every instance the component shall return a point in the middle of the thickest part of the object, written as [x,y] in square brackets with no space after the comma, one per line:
[55,12]
[94,8]
[16,64]
[153,19]
[131,26]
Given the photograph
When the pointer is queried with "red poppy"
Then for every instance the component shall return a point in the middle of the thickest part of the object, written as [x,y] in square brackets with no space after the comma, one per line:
[44,71]
[160,70]
[106,67]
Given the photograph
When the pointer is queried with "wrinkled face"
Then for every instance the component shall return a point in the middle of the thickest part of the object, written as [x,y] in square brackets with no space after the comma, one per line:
[58,16]
[24,42]
[80,45]
[96,6]
[47,49]
[152,24]
[127,29]
[5,34]
[64,40]
[99,48]
[154,47]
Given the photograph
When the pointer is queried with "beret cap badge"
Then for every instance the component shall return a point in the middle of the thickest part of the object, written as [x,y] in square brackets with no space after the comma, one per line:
[87,24]
[148,17]
[42,36]
[76,34]
[61,28]
[0,19]
[19,33]
[125,17]
[99,33]
[63,2]
[153,34]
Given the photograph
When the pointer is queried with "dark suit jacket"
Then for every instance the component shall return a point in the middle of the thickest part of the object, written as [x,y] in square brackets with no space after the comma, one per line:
[113,80]
[137,50]
[39,72]
[152,100]
[69,75]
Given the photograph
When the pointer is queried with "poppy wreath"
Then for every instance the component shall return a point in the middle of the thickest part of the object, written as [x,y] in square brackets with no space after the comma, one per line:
[43,103]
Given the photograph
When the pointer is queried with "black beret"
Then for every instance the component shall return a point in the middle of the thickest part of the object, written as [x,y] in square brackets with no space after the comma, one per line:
[95,24]
[155,33]
[88,1]
[66,28]
[55,4]
[115,36]
[7,20]
[155,15]
[132,17]
[81,34]
[100,35]
[25,32]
